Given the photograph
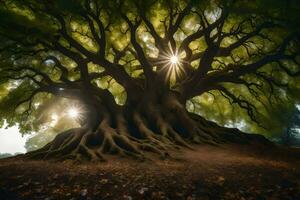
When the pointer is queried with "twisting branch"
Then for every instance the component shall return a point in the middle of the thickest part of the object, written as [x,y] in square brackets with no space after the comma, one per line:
[225,51]
[159,42]
[175,25]
[31,69]
[249,107]
[204,29]
[138,49]
[63,31]
[63,69]
[233,72]
[278,56]
[30,77]
[99,37]
[30,98]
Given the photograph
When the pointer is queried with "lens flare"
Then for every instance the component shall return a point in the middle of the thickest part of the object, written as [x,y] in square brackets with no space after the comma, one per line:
[73,113]
[174,59]
[172,64]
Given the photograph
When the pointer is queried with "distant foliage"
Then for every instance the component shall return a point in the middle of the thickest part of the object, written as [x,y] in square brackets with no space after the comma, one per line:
[291,134]
[5,155]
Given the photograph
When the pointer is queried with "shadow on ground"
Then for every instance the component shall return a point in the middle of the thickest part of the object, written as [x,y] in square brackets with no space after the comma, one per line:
[229,172]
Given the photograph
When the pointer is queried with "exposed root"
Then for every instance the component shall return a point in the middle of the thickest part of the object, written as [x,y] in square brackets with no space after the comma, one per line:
[152,130]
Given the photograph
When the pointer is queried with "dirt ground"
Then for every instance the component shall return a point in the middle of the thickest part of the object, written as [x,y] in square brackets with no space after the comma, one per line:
[228,172]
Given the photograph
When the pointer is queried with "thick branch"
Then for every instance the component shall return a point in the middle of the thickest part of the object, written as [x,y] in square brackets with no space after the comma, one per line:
[139,50]
[63,69]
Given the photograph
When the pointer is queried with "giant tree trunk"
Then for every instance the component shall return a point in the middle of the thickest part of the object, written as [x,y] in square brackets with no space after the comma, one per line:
[155,125]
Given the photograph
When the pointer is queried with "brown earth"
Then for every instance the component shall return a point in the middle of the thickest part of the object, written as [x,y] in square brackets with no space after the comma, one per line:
[228,172]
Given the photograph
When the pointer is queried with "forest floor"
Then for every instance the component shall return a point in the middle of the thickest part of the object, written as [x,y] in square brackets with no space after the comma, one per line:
[228,172]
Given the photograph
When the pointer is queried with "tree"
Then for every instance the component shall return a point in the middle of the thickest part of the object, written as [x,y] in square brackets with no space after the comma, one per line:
[134,66]
[5,155]
[289,137]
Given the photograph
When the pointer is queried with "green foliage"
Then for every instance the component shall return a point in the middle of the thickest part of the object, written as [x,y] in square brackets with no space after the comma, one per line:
[285,11]
[17,23]
[9,104]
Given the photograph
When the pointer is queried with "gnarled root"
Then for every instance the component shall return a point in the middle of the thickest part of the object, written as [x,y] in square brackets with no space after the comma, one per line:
[87,144]
[158,129]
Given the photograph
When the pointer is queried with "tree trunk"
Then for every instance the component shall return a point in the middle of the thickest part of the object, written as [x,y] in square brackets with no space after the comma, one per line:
[157,123]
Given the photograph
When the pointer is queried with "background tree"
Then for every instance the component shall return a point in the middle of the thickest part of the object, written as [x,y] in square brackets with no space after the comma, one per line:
[5,155]
[290,134]
[138,69]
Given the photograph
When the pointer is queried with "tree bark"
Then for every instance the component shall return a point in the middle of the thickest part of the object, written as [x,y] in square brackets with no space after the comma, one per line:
[157,124]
